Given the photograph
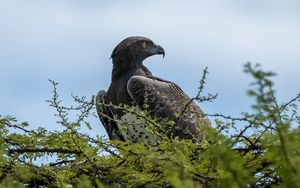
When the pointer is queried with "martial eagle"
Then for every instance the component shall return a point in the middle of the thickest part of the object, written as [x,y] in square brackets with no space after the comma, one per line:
[134,88]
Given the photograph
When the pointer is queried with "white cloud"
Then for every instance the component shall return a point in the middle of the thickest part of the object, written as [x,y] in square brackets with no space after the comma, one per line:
[65,32]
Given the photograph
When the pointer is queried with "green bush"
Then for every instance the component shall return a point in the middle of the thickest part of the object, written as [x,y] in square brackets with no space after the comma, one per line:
[258,149]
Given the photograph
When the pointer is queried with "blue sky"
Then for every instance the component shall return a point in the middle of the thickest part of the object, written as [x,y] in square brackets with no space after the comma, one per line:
[71,42]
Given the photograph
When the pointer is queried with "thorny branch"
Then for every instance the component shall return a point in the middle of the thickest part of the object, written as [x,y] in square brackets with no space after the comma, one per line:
[244,134]
[199,96]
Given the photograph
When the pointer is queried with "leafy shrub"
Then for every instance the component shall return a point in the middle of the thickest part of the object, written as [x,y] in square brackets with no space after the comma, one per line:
[259,149]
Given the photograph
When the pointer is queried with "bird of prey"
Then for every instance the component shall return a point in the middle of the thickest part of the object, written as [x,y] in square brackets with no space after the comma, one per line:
[134,89]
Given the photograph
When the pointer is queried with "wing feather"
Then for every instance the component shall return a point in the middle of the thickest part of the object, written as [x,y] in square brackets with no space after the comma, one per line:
[165,99]
[106,117]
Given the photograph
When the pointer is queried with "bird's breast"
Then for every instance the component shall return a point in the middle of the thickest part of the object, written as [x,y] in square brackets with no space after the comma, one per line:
[134,127]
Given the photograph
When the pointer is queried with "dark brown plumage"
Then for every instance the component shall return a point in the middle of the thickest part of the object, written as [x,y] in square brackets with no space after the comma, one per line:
[134,85]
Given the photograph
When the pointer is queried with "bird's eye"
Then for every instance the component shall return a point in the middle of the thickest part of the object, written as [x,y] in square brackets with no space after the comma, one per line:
[144,44]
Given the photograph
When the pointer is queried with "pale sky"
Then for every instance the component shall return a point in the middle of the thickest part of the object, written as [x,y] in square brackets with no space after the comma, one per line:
[70,41]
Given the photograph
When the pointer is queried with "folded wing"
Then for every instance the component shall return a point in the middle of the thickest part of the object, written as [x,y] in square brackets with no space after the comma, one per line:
[165,100]
[106,117]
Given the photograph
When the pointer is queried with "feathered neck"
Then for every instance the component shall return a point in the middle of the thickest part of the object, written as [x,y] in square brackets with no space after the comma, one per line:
[126,67]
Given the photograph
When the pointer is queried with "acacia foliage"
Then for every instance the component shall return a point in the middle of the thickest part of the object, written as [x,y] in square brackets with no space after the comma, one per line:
[257,149]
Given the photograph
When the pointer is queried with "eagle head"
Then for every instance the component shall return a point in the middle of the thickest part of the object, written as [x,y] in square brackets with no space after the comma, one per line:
[136,48]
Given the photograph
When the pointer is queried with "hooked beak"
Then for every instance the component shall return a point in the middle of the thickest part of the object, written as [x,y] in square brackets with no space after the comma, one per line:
[159,50]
